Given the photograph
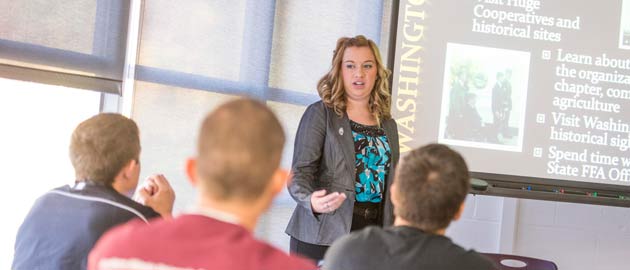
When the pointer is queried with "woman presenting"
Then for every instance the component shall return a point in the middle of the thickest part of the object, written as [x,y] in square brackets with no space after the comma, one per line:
[346,148]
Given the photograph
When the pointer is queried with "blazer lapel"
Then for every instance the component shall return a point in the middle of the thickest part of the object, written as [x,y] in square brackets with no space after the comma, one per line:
[343,132]
[392,137]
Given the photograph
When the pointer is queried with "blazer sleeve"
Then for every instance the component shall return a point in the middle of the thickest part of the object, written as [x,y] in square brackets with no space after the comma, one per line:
[307,153]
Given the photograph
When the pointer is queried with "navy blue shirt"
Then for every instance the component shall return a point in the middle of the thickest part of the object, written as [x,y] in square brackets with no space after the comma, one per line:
[65,223]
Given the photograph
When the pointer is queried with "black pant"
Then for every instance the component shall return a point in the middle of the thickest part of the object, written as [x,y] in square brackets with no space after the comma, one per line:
[364,214]
[308,250]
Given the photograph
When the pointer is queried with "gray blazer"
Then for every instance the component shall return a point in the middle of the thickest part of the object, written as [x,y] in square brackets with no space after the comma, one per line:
[324,158]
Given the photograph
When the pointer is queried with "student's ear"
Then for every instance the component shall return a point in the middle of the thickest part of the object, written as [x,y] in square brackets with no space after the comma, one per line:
[278,181]
[460,211]
[191,171]
[393,192]
[131,170]
[127,179]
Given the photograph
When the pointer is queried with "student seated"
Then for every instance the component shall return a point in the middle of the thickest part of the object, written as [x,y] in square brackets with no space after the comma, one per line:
[64,223]
[428,192]
[236,174]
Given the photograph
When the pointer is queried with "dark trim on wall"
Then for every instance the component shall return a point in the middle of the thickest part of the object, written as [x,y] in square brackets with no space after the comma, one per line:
[393,31]
[60,78]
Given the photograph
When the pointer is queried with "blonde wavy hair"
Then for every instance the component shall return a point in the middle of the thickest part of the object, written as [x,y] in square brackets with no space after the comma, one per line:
[331,89]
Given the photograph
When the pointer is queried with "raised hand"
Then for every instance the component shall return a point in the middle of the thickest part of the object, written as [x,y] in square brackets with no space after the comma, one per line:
[158,194]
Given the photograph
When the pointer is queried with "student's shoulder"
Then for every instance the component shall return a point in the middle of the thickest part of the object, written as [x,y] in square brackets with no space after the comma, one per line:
[127,231]
[347,245]
[50,200]
[482,262]
[116,242]
[368,234]
[271,257]
[474,261]
[99,198]
[364,249]
[137,233]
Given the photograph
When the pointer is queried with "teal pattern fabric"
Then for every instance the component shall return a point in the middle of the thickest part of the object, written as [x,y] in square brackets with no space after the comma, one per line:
[373,159]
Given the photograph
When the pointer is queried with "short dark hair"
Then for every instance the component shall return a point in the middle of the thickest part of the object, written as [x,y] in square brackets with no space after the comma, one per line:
[432,182]
[239,149]
[102,145]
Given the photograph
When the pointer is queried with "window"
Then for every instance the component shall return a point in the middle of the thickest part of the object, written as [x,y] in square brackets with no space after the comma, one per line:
[78,43]
[37,121]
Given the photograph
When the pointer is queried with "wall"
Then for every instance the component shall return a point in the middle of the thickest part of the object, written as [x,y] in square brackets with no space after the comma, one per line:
[480,225]
[574,236]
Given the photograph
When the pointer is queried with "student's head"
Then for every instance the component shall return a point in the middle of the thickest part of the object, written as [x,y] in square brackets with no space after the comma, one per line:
[508,75]
[500,76]
[356,57]
[239,149]
[430,187]
[461,72]
[104,148]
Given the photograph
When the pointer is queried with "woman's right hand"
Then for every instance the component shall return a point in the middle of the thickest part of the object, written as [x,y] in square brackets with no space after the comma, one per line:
[322,203]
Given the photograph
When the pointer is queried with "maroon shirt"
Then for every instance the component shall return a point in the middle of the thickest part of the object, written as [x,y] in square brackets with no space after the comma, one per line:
[188,242]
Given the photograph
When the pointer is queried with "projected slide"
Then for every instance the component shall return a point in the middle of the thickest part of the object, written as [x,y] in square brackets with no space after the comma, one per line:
[532,88]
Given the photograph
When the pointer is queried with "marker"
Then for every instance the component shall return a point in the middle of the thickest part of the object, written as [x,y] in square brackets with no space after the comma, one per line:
[612,196]
[575,192]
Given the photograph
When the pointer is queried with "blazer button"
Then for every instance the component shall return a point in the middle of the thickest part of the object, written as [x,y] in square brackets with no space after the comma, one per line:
[341,131]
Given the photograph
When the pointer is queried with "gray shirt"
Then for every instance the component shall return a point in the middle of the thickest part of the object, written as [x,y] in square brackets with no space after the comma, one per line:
[401,247]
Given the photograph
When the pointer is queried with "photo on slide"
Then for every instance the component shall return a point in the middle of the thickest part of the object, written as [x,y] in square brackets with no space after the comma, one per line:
[624,26]
[483,98]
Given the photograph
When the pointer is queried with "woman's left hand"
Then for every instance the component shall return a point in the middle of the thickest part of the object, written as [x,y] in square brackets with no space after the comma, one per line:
[322,203]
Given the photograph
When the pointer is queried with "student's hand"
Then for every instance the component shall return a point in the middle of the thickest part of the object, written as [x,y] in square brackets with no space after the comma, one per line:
[158,194]
[322,203]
